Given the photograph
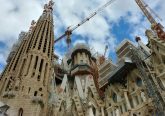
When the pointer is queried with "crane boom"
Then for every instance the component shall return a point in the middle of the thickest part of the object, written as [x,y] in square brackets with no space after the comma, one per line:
[92,15]
[69,31]
[60,38]
[142,6]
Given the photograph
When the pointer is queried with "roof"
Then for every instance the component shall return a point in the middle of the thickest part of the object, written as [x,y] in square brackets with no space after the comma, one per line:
[80,48]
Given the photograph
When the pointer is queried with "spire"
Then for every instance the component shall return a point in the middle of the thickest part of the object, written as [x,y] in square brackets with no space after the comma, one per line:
[47,12]
[48,7]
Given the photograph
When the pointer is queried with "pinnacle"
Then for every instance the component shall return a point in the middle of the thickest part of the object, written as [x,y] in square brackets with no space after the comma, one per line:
[48,7]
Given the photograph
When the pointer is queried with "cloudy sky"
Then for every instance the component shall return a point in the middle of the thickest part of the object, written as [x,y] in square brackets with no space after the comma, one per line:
[122,19]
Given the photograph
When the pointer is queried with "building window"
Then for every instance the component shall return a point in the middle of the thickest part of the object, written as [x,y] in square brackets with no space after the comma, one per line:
[40,89]
[29,90]
[125,107]
[134,115]
[121,109]
[114,97]
[20,112]
[157,48]
[131,102]
[138,81]
[163,59]
[38,78]
[35,66]
[81,61]
[41,65]
[35,93]
[94,110]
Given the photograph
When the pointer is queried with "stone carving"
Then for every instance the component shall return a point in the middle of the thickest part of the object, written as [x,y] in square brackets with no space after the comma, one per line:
[49,7]
[33,23]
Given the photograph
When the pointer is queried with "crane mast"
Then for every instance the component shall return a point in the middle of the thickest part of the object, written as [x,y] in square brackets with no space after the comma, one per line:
[105,51]
[145,11]
[157,27]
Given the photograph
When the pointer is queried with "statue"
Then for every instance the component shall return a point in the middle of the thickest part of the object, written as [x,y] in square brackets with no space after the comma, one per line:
[143,96]
[48,7]
[32,25]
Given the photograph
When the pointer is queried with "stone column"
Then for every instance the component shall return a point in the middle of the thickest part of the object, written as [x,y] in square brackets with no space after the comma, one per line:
[102,111]
[31,65]
[127,100]
[109,113]
[90,112]
[43,71]
[139,98]
[142,94]
[123,108]
[113,112]
[117,112]
[134,101]
[38,66]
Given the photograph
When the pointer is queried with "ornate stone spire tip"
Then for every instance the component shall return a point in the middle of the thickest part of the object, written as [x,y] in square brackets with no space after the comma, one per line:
[49,7]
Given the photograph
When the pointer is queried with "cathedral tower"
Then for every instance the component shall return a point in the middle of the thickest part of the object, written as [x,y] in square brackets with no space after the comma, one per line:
[24,82]
[77,94]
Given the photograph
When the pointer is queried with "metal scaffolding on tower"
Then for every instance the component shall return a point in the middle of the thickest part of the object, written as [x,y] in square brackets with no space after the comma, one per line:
[151,88]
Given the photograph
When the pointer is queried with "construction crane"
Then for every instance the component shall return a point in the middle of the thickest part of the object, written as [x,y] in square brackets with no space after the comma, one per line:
[102,57]
[69,30]
[157,27]
[105,51]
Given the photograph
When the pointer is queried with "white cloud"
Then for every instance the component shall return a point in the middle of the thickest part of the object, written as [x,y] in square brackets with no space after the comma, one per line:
[79,41]
[16,15]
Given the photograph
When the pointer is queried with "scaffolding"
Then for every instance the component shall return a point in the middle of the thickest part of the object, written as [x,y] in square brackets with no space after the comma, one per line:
[151,87]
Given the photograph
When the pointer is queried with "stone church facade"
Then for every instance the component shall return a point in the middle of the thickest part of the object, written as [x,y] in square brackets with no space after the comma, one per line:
[33,83]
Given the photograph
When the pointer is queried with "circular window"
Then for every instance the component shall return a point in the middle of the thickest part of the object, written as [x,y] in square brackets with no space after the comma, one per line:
[40,89]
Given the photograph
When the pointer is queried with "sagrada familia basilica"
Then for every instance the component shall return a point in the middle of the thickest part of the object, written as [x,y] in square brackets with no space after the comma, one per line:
[34,83]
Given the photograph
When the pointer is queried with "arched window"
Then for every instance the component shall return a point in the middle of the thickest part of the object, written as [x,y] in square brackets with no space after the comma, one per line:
[134,115]
[35,93]
[138,81]
[114,97]
[29,90]
[20,112]
[94,110]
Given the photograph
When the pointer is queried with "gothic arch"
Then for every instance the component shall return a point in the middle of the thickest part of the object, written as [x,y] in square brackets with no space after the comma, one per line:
[20,112]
